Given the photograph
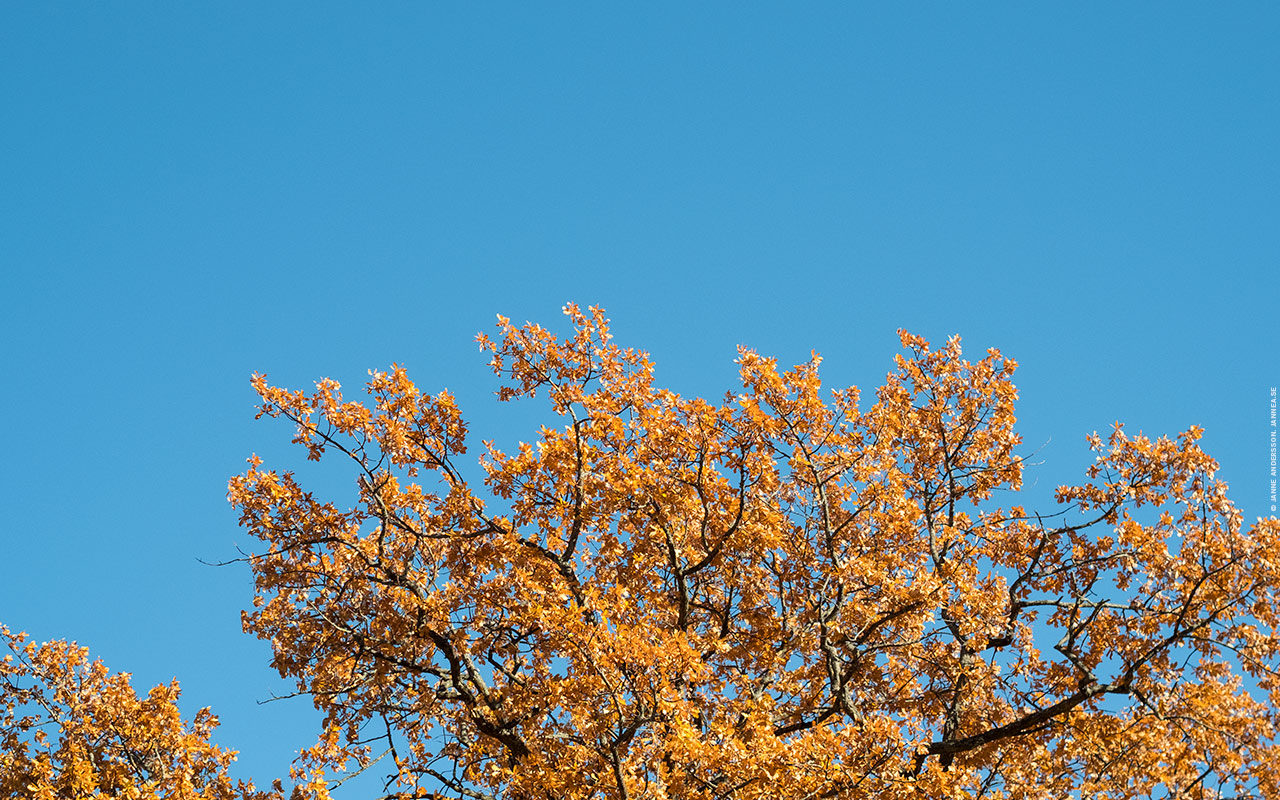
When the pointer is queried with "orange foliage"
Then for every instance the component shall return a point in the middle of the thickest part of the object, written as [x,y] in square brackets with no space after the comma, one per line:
[71,729]
[783,595]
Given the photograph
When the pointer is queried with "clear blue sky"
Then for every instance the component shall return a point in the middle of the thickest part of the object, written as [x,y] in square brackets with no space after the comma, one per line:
[192,192]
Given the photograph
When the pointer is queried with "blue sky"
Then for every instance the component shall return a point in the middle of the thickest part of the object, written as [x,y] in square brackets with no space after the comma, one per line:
[191,193]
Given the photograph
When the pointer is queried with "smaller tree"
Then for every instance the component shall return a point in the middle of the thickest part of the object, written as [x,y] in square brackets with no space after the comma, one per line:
[69,728]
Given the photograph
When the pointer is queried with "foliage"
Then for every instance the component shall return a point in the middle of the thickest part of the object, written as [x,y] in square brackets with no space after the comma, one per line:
[106,742]
[783,595]
[788,594]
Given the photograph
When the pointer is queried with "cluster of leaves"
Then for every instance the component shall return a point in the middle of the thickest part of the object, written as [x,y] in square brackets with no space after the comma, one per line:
[788,594]
[71,729]
[783,595]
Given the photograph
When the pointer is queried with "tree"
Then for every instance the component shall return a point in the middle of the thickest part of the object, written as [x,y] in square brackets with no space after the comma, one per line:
[784,595]
[106,742]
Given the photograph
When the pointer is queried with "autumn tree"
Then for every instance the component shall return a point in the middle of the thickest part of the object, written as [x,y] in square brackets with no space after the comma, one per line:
[69,728]
[787,594]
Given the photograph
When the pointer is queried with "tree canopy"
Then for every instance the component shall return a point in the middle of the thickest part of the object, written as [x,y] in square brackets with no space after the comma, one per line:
[791,593]
[69,728]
